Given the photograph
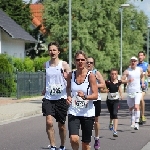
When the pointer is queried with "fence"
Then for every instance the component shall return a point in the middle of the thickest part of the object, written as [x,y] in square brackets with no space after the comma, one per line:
[22,84]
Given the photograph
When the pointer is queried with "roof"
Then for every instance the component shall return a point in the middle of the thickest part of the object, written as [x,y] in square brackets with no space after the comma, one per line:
[37,13]
[13,29]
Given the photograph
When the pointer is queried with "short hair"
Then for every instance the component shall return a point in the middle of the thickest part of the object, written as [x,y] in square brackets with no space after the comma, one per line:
[80,52]
[114,69]
[93,59]
[54,43]
[141,52]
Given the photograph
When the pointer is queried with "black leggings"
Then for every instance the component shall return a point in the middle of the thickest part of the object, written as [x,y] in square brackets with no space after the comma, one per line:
[113,108]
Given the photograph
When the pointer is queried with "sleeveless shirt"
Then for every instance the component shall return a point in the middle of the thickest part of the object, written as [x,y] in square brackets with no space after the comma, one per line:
[88,109]
[134,86]
[55,82]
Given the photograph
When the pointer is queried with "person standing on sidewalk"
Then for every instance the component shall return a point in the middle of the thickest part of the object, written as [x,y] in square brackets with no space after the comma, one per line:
[114,93]
[134,75]
[97,103]
[81,91]
[144,65]
[54,102]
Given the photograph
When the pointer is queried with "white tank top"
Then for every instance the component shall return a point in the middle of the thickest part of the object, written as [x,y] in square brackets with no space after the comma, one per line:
[134,86]
[80,107]
[55,82]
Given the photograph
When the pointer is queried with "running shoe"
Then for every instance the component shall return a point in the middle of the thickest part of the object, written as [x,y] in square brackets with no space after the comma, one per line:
[115,134]
[136,127]
[143,119]
[111,127]
[61,148]
[97,144]
[52,147]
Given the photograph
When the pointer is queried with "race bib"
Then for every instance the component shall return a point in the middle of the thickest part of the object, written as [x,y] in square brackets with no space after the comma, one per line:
[78,102]
[55,89]
[113,95]
[131,95]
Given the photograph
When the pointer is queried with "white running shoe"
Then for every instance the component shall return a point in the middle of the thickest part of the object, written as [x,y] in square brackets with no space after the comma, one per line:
[132,125]
[136,127]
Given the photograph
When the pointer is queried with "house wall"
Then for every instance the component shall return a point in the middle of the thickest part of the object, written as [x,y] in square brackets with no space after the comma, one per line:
[12,47]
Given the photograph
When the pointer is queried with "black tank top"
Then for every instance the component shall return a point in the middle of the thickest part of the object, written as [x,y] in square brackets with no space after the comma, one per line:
[113,87]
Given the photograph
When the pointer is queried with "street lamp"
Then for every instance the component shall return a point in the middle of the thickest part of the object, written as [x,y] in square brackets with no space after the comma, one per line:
[121,12]
[70,36]
[148,34]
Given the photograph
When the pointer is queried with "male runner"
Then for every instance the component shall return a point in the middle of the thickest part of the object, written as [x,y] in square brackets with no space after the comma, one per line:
[134,75]
[144,66]
[54,102]
[97,103]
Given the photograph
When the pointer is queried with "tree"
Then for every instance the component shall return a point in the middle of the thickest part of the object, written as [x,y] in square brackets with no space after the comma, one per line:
[18,10]
[96,29]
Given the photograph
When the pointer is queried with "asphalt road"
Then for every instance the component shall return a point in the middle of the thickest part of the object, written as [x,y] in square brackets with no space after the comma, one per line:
[29,134]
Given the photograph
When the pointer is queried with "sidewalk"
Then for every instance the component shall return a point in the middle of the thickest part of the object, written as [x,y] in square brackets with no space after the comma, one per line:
[11,109]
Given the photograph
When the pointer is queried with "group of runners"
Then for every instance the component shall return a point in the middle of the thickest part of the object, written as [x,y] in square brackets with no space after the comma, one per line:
[76,94]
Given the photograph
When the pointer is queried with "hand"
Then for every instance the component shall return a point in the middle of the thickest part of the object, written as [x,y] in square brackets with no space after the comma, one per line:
[143,85]
[65,74]
[121,97]
[43,92]
[69,100]
[80,94]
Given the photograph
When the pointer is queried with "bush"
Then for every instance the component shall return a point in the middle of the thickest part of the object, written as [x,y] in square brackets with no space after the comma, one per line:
[28,65]
[7,84]
[38,63]
[18,64]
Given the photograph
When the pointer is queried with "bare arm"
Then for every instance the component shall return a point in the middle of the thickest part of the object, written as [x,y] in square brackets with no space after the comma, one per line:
[142,76]
[66,69]
[148,71]
[94,88]
[120,91]
[124,76]
[68,88]
[101,82]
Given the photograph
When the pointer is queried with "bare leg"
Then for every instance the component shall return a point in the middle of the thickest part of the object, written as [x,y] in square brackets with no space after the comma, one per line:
[62,133]
[74,140]
[50,130]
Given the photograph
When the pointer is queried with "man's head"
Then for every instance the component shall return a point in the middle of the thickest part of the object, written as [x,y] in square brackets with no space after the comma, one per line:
[54,50]
[114,74]
[141,56]
[133,62]
[90,63]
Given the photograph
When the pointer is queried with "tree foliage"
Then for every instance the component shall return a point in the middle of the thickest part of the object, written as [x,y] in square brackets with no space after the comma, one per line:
[18,10]
[96,29]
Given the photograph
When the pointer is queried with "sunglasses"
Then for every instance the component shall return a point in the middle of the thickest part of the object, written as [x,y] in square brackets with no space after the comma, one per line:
[89,62]
[133,60]
[80,59]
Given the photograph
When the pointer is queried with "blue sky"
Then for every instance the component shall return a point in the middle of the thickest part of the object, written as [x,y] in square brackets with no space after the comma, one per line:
[144,5]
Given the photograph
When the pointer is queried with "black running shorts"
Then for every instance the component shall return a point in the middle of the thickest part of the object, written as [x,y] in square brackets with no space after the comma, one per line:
[56,108]
[86,123]
[97,105]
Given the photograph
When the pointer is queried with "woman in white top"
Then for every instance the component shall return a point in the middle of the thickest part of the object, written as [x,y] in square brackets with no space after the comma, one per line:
[81,91]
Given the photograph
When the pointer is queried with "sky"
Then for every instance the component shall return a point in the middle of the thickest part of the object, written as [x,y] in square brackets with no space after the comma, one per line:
[144,5]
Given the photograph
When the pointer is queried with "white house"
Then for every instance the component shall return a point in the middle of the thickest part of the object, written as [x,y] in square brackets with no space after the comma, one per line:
[13,37]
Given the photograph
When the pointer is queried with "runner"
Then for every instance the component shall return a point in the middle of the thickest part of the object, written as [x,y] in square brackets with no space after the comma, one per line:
[81,91]
[134,75]
[114,90]
[144,66]
[97,103]
[54,103]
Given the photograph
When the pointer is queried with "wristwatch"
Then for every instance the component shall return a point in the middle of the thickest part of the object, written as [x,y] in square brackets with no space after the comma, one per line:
[84,97]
